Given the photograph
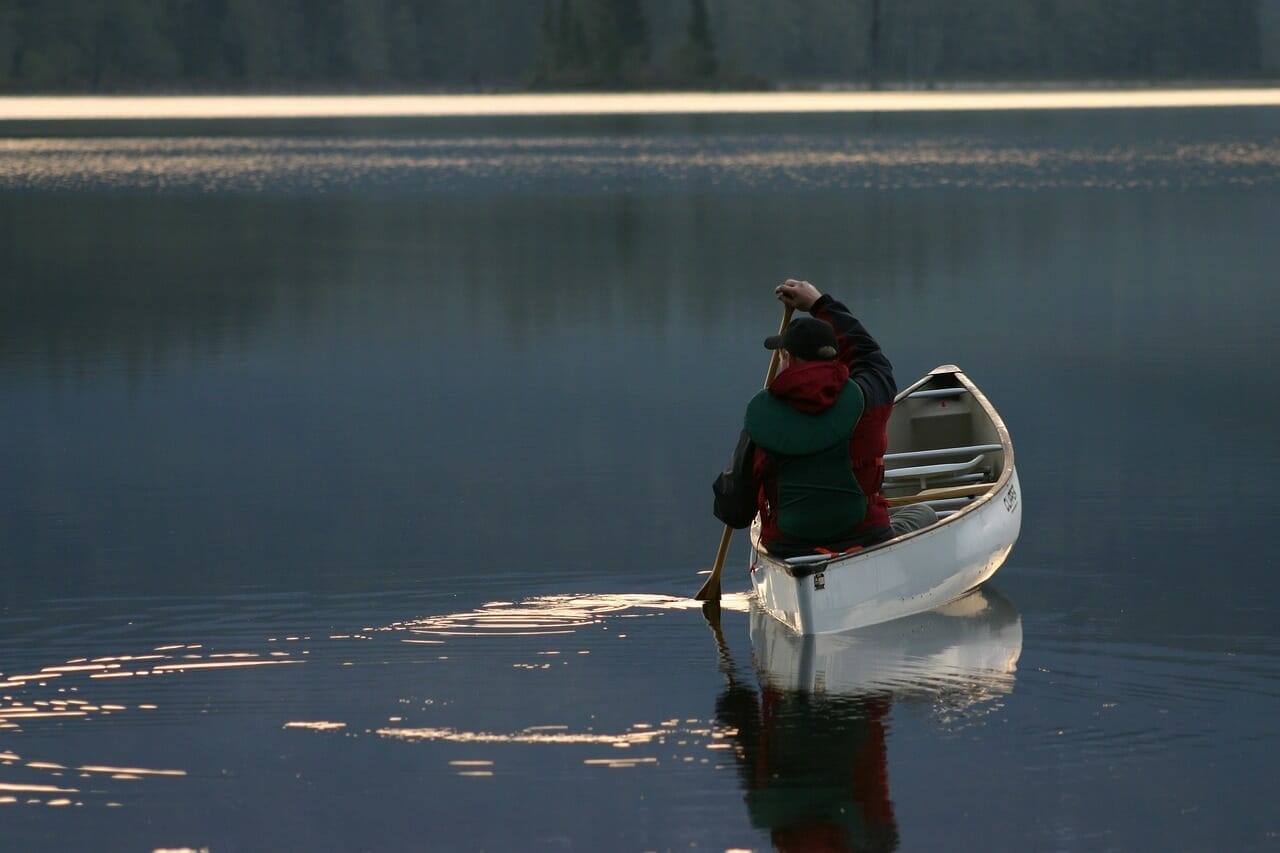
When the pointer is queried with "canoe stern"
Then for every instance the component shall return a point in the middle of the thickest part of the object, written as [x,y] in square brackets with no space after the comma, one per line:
[919,572]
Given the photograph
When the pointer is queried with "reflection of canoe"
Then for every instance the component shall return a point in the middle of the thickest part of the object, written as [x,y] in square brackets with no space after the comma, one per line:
[811,740]
[947,448]
[969,646]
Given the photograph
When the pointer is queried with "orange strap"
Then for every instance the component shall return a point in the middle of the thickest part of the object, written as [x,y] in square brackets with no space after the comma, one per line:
[844,553]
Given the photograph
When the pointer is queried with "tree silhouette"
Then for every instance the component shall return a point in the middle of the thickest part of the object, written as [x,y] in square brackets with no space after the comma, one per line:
[703,49]
[591,44]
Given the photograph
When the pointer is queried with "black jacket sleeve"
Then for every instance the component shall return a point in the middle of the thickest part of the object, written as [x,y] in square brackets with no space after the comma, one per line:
[735,489]
[867,364]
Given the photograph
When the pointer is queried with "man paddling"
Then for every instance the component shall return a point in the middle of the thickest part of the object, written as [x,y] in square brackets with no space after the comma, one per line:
[810,459]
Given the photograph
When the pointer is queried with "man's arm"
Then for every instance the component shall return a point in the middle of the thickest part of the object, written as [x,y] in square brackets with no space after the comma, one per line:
[736,488]
[867,363]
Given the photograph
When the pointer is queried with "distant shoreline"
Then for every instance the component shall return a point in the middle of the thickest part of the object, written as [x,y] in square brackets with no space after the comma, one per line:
[185,107]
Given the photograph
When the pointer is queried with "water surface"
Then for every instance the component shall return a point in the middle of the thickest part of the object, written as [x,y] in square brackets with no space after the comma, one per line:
[356,477]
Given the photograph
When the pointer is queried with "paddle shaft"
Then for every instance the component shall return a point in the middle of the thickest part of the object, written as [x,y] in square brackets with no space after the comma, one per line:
[711,589]
[942,493]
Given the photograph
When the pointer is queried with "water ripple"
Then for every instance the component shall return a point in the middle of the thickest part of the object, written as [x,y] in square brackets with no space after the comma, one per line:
[1127,701]
[137,688]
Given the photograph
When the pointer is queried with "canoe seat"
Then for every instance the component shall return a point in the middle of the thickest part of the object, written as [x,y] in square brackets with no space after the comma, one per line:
[940,453]
[922,473]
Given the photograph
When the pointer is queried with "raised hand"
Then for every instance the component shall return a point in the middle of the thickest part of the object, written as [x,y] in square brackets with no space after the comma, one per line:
[797,294]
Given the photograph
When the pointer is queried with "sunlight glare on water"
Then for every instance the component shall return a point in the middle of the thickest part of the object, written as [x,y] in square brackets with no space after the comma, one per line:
[636,162]
[320,106]
[560,614]
[63,690]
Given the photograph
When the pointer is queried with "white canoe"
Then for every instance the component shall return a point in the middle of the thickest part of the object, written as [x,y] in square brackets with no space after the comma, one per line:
[947,448]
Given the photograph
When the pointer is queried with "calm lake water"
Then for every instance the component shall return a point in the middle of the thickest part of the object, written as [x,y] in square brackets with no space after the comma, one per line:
[355,477]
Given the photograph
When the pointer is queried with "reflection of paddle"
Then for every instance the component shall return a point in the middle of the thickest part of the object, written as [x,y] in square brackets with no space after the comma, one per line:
[711,612]
[711,589]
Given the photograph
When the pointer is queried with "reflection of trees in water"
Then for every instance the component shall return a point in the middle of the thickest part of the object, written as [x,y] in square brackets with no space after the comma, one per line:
[149,281]
[146,282]
[662,228]
[136,282]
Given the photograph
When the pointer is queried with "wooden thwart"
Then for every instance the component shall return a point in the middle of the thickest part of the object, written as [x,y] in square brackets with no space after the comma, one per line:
[942,494]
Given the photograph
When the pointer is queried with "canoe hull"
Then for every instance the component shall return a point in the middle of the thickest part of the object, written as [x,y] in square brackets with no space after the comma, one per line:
[926,570]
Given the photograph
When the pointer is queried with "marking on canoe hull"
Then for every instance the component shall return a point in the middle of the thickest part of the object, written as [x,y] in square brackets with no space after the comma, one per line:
[1011,499]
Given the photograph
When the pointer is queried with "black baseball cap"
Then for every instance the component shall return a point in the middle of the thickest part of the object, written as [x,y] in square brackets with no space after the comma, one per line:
[808,338]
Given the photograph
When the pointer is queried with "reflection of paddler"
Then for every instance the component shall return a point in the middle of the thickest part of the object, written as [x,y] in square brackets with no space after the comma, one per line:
[814,766]
[811,741]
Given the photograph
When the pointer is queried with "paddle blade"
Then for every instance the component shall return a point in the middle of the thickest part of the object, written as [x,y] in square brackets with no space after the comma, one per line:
[710,591]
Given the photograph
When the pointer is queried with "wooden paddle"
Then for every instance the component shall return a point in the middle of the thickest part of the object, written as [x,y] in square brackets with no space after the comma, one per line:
[943,493]
[711,589]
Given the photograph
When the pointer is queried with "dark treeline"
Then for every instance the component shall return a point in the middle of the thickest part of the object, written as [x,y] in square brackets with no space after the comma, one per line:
[262,45]
[372,45]
[608,44]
